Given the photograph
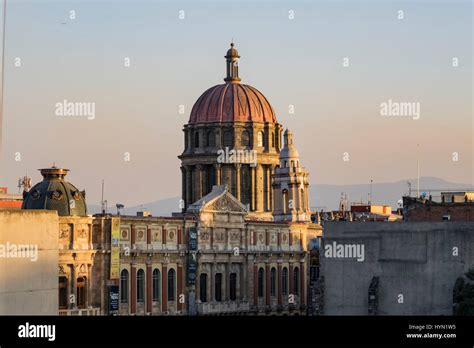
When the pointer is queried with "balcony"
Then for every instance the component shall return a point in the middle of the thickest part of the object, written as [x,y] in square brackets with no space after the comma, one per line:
[236,307]
[80,311]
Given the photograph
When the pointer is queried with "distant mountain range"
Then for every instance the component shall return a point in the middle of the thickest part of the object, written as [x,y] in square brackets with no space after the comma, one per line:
[325,197]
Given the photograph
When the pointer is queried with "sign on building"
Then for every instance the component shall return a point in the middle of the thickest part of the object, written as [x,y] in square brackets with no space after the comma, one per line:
[192,261]
[115,249]
[113,299]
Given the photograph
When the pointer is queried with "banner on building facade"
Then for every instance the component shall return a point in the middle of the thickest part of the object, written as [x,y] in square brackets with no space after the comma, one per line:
[113,299]
[115,249]
[192,261]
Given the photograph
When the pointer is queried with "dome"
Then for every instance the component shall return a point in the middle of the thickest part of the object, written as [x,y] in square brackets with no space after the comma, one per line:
[232,52]
[54,193]
[289,151]
[232,102]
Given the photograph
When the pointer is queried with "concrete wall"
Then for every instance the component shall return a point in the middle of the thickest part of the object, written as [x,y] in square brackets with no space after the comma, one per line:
[28,286]
[414,259]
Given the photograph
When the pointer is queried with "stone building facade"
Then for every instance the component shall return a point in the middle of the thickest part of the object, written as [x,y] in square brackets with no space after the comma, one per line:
[425,209]
[75,247]
[28,262]
[408,268]
[240,244]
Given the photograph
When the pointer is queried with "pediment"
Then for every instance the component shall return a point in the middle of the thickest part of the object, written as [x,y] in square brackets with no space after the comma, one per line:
[219,199]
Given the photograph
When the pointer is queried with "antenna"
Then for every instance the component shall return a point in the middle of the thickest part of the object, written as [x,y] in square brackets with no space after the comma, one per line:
[370,195]
[102,203]
[417,171]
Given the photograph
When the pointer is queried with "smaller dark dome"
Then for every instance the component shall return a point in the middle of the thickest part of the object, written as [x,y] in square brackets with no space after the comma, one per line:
[55,193]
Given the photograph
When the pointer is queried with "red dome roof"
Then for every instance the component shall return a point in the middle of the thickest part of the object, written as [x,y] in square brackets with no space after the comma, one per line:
[232,102]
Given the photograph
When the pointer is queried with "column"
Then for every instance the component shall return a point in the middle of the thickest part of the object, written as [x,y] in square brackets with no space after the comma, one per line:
[244,282]
[269,187]
[198,182]
[149,293]
[188,191]
[132,236]
[179,274]
[302,282]
[259,188]
[180,236]
[238,282]
[183,186]
[164,288]
[89,285]
[255,285]
[279,284]
[217,168]
[148,235]
[226,282]
[212,294]
[267,284]
[237,180]
[209,283]
[198,282]
[253,189]
[73,287]
[133,289]
[290,278]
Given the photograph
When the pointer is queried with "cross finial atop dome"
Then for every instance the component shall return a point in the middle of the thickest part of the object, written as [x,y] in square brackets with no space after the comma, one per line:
[232,59]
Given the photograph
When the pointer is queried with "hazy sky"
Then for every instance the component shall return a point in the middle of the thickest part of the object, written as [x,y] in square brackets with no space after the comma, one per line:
[292,61]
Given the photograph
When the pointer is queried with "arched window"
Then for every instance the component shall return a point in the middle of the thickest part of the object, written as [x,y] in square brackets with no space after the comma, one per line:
[228,141]
[218,287]
[273,282]
[261,279]
[203,287]
[260,139]
[284,281]
[171,284]
[296,281]
[233,286]
[210,139]
[245,139]
[273,140]
[196,139]
[124,286]
[62,293]
[156,284]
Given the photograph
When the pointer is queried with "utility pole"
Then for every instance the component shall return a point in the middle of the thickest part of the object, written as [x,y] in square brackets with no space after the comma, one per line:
[2,95]
[370,201]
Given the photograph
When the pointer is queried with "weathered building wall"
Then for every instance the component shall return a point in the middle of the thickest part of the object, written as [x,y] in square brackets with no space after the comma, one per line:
[416,263]
[29,286]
